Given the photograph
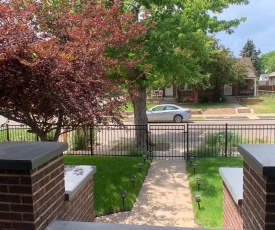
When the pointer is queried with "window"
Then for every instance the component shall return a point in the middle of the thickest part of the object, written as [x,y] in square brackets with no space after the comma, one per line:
[169,107]
[184,87]
[158,108]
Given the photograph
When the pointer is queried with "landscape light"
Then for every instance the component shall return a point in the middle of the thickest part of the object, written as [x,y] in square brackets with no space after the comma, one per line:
[144,158]
[198,199]
[191,160]
[123,196]
[133,179]
[198,183]
[194,168]
[139,166]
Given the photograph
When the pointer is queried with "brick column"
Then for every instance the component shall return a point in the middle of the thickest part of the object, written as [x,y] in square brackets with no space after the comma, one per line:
[31,184]
[259,186]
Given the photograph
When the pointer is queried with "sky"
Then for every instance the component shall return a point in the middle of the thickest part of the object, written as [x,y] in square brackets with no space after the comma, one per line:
[258,27]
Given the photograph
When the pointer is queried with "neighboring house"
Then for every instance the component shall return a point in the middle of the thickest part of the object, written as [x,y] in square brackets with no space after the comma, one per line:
[264,79]
[272,78]
[182,93]
[249,84]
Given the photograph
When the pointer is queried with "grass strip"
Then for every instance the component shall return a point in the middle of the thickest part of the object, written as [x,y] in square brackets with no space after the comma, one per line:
[113,175]
[211,188]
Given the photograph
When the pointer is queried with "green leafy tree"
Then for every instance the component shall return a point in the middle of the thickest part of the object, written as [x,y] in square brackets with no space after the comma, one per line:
[177,45]
[54,65]
[224,68]
[249,50]
[268,62]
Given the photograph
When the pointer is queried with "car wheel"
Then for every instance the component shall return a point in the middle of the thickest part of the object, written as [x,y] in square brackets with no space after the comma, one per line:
[178,118]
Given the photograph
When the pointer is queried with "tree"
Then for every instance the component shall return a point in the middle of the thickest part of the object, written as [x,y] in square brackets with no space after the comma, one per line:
[224,68]
[54,66]
[176,46]
[267,62]
[249,50]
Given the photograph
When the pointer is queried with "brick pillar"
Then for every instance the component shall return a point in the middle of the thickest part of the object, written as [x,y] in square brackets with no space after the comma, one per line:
[31,184]
[259,186]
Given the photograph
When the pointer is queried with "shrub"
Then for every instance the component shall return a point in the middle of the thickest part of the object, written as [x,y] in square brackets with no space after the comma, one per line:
[214,145]
[213,139]
[204,99]
[81,138]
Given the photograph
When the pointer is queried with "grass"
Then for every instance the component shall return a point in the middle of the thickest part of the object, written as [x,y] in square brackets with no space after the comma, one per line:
[17,134]
[211,189]
[113,175]
[266,105]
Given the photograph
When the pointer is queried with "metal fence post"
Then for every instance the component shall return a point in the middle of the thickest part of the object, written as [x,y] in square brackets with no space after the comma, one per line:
[147,138]
[92,139]
[187,140]
[8,134]
[226,136]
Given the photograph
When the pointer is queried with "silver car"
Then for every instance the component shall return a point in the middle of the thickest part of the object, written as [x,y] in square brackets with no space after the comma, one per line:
[168,113]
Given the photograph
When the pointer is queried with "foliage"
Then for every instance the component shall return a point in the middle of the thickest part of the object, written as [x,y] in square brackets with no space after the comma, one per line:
[219,138]
[54,65]
[211,189]
[204,99]
[268,62]
[214,144]
[178,46]
[112,176]
[249,50]
[224,68]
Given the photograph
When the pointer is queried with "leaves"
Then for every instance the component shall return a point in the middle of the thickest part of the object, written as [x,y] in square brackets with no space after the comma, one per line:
[54,66]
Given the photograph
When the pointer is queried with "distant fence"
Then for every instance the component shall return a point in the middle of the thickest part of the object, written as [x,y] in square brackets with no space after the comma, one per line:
[198,140]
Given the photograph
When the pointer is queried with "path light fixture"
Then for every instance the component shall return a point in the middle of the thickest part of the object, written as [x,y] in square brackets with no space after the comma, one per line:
[139,166]
[198,199]
[144,158]
[194,167]
[198,183]
[133,179]
[123,196]
[191,160]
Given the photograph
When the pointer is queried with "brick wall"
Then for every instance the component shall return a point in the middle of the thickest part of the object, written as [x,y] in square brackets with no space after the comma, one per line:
[232,212]
[31,199]
[259,200]
[81,206]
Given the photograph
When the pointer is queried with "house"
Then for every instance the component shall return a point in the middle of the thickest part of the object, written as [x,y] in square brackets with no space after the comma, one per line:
[264,79]
[248,86]
[271,78]
[175,93]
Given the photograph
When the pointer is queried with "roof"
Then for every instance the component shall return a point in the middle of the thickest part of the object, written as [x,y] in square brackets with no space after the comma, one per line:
[272,74]
[247,62]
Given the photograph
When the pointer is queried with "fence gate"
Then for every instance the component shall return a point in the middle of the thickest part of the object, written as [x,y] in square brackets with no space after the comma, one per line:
[167,141]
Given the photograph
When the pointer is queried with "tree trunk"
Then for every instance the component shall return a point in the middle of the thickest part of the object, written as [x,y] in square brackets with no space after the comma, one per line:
[138,97]
[140,118]
[196,94]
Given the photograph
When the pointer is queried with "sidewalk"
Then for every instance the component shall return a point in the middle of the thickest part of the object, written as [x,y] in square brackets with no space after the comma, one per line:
[164,199]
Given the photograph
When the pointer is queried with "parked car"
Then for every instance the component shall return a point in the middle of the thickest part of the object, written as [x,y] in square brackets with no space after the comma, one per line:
[168,113]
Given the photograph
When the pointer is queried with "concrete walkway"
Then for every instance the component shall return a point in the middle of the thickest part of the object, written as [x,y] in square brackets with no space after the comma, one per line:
[164,199]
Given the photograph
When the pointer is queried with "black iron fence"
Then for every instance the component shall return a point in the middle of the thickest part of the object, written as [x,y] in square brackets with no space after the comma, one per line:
[162,141]
[222,140]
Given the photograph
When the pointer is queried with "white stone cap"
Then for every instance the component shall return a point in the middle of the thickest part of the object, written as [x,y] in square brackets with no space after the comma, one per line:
[233,179]
[76,176]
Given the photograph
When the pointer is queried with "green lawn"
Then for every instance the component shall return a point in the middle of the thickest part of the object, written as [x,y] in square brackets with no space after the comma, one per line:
[266,105]
[113,175]
[211,189]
